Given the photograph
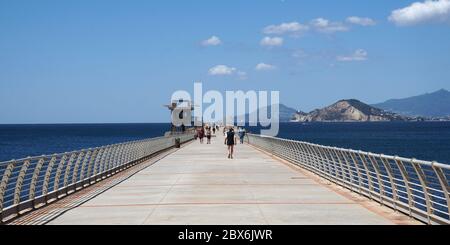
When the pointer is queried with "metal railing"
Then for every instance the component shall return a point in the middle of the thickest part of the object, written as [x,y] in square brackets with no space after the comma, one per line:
[30,183]
[417,188]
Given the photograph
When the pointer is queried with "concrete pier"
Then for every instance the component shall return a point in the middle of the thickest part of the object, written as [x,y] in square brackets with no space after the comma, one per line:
[197,185]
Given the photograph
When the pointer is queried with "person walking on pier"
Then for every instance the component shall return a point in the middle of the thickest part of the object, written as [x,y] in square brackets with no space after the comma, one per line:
[208,135]
[201,134]
[241,133]
[230,141]
[196,134]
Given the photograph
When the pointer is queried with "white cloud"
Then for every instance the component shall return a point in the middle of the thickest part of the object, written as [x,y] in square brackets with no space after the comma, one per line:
[286,28]
[222,70]
[421,12]
[326,26]
[264,67]
[320,25]
[272,41]
[362,21]
[358,55]
[212,41]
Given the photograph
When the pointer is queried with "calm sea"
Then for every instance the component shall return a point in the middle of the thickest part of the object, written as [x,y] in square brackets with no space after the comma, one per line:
[422,140]
[19,141]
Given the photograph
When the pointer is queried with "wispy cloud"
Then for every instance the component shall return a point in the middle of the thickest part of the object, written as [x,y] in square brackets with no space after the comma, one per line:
[320,25]
[362,21]
[272,41]
[358,55]
[421,12]
[222,70]
[326,26]
[293,28]
[264,67]
[212,41]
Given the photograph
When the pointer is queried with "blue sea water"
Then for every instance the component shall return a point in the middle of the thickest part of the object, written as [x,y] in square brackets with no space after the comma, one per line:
[19,141]
[421,140]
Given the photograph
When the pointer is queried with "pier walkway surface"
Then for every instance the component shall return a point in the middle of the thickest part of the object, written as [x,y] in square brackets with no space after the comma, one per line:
[197,184]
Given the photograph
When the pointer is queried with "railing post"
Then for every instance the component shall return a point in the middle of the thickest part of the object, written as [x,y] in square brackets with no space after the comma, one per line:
[105,160]
[59,171]
[117,157]
[390,173]
[327,163]
[312,161]
[90,165]
[47,175]
[299,154]
[4,185]
[19,181]
[287,150]
[320,162]
[341,166]
[304,158]
[379,180]
[34,179]
[405,177]
[76,167]
[366,168]
[130,152]
[324,153]
[302,153]
[86,160]
[444,184]
[109,159]
[317,161]
[122,155]
[98,160]
[350,172]
[67,173]
[423,184]
[360,175]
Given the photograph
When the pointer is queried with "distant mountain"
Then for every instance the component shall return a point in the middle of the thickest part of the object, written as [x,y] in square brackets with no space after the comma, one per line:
[287,114]
[348,111]
[435,104]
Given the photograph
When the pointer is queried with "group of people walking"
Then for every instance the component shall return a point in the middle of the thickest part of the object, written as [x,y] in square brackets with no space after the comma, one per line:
[206,131]
[229,133]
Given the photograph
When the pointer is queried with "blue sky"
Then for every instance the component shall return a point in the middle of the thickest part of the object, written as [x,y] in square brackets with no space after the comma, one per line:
[120,61]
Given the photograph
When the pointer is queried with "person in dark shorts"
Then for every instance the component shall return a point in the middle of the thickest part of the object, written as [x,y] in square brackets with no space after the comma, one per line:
[230,141]
[201,134]
[208,135]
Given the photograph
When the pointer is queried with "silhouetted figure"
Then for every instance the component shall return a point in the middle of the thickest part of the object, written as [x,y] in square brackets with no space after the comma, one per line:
[208,135]
[201,135]
[230,141]
[241,133]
